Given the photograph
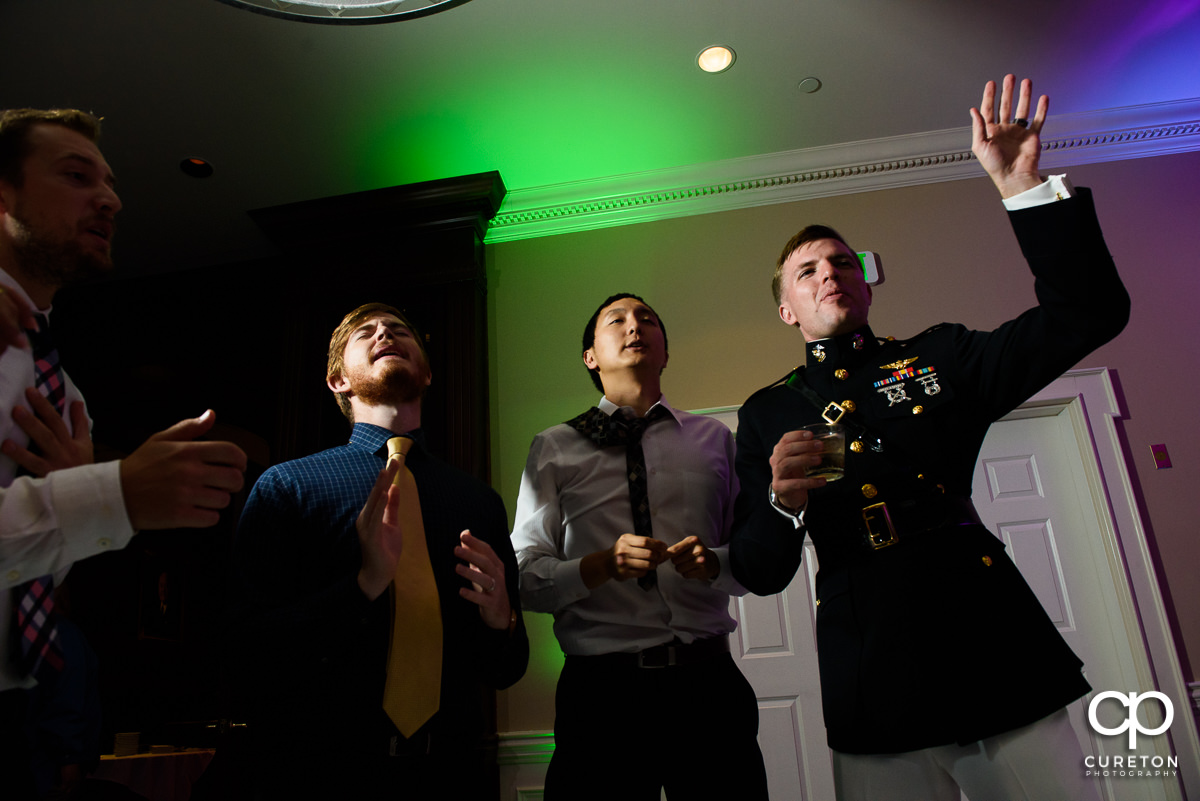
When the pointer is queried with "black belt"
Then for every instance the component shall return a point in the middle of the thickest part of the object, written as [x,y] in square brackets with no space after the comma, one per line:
[884,524]
[671,654]
[419,745]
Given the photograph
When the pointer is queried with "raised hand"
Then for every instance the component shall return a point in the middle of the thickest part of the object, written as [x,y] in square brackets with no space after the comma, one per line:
[379,534]
[170,481]
[485,571]
[1009,148]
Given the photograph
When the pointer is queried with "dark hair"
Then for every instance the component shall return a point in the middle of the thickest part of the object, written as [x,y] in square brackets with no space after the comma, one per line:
[810,233]
[15,125]
[589,331]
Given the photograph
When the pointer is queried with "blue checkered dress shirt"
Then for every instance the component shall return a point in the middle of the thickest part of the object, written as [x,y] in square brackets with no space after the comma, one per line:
[315,646]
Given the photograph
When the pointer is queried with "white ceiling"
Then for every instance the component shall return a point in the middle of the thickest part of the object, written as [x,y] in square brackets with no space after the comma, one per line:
[571,100]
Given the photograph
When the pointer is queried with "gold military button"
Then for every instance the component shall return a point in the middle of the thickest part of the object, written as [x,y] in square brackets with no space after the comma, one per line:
[869,491]
[856,446]
[987,560]
[849,405]
[841,375]
[818,602]
[918,410]
[890,339]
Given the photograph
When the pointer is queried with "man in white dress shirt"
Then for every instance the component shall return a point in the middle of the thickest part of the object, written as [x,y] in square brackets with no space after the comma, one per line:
[57,206]
[621,533]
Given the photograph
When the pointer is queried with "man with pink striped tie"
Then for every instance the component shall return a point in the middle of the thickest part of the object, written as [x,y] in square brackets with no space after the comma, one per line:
[57,206]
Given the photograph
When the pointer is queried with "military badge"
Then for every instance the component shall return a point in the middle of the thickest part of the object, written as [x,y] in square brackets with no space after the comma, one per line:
[900,365]
[892,387]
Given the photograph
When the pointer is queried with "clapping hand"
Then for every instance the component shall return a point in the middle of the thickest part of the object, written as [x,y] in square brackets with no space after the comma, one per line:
[379,533]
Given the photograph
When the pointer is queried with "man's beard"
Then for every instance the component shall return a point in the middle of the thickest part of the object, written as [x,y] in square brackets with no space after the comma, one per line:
[52,260]
[398,384]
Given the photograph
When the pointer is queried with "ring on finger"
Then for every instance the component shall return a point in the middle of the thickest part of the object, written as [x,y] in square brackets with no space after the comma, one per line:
[1021,121]
[489,589]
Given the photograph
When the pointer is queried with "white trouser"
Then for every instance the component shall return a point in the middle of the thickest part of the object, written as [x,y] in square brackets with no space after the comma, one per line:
[1040,762]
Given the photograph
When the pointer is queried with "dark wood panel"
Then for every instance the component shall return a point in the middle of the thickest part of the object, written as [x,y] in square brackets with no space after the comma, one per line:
[250,340]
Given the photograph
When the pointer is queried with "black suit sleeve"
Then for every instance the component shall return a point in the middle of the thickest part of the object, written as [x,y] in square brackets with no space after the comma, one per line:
[766,547]
[1081,305]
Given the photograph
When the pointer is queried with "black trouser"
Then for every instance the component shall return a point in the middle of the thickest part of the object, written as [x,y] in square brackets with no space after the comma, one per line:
[16,759]
[624,732]
[437,770]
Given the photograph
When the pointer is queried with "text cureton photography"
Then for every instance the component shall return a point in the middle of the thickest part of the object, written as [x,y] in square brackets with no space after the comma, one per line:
[1130,764]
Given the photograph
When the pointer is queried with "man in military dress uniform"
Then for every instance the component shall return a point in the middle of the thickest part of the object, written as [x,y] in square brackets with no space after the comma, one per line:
[939,668]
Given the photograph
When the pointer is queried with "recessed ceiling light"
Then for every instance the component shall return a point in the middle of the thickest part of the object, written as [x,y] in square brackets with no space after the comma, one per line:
[810,85]
[717,58]
[197,168]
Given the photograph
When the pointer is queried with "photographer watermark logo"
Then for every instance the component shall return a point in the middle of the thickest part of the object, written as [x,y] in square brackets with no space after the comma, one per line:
[1132,724]
[1132,764]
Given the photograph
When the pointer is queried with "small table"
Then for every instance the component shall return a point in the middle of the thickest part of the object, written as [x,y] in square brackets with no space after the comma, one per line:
[159,777]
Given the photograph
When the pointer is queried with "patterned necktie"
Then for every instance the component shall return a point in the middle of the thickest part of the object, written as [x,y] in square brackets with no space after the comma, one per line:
[618,429]
[414,668]
[48,374]
[37,629]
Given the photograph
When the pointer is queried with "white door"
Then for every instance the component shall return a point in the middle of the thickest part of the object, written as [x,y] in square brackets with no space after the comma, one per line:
[775,646]
[1034,489]
[1039,486]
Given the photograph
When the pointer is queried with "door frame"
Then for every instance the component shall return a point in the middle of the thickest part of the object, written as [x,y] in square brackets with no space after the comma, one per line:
[1112,492]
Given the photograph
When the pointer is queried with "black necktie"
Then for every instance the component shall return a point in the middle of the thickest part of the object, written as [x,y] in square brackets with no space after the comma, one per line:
[626,431]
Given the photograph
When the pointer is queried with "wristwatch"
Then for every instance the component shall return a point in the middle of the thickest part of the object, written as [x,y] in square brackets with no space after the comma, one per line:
[795,515]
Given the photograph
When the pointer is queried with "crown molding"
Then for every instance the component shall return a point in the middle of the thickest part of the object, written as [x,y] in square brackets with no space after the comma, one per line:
[1086,138]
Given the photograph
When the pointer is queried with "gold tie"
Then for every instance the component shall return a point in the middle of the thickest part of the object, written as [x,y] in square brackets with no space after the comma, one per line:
[414,668]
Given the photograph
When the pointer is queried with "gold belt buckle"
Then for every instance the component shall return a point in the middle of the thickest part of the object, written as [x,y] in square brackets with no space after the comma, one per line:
[880,531]
[832,413]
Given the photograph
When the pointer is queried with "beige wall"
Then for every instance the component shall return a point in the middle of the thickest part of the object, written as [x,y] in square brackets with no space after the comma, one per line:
[948,255]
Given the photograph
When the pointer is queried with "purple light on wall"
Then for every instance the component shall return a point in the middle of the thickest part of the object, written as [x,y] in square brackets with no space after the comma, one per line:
[1130,53]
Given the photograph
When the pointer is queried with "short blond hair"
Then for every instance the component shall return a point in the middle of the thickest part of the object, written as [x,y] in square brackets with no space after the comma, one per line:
[341,335]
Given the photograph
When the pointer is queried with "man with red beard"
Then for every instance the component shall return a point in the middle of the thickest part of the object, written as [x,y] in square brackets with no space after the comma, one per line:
[57,205]
[322,557]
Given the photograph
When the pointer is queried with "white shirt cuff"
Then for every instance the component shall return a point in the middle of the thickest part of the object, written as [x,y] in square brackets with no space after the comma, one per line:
[91,509]
[568,583]
[1056,187]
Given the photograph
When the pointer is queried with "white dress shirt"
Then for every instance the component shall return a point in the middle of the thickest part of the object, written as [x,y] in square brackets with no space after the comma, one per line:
[574,501]
[46,524]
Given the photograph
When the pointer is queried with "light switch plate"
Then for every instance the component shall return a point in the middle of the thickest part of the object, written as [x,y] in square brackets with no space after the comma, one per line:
[1161,458]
